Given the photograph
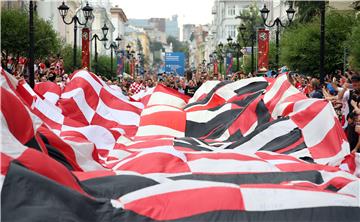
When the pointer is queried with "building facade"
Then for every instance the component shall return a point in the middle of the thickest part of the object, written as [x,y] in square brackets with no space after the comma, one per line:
[172,27]
[188,29]
[131,37]
[158,23]
[119,20]
[198,46]
[224,12]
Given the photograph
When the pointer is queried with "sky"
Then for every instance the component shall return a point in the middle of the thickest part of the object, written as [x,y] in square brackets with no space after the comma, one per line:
[189,11]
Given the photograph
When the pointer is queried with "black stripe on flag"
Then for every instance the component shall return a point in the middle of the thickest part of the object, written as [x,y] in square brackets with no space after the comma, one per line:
[208,96]
[255,132]
[113,187]
[220,122]
[252,87]
[283,141]
[55,153]
[256,178]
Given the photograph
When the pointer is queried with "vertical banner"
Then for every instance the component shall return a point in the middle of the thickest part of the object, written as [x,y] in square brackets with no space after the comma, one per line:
[85,48]
[216,69]
[132,68]
[120,63]
[263,50]
[229,63]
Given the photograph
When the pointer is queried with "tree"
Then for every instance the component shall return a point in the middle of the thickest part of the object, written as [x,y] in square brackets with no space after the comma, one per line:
[251,19]
[177,45]
[354,44]
[139,45]
[300,43]
[104,66]
[67,54]
[356,5]
[156,49]
[272,55]
[306,10]
[15,32]
[155,46]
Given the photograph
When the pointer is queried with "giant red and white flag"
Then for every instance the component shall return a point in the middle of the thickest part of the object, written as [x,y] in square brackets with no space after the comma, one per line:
[252,150]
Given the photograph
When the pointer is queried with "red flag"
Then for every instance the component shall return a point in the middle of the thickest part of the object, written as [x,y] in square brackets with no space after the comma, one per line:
[85,48]
[263,46]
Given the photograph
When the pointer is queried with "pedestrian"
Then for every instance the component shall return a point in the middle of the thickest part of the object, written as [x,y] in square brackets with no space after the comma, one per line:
[190,88]
[317,91]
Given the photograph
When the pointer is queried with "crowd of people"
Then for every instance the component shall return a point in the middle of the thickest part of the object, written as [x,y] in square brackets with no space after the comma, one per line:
[187,84]
[342,89]
[47,69]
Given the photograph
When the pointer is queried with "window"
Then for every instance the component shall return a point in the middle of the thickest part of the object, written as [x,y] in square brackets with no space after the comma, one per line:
[231,31]
[231,10]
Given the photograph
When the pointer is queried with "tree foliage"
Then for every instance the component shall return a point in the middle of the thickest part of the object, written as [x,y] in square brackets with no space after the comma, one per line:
[356,5]
[67,54]
[354,47]
[178,46]
[104,67]
[155,46]
[306,10]
[15,32]
[300,43]
[251,19]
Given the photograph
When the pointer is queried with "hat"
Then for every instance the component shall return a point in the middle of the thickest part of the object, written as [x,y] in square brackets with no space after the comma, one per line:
[42,66]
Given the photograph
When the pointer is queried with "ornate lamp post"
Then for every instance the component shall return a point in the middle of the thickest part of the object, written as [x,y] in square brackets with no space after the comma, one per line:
[113,46]
[252,38]
[236,47]
[290,15]
[87,10]
[322,41]
[96,38]
[31,48]
[221,56]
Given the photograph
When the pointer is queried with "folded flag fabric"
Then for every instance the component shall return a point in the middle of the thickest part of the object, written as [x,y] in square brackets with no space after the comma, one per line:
[251,150]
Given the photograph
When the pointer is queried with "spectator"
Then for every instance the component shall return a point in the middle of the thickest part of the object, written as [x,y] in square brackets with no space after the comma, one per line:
[190,88]
[317,92]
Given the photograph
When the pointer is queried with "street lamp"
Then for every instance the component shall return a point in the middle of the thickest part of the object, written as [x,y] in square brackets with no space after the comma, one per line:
[242,30]
[113,46]
[221,45]
[221,58]
[322,41]
[96,38]
[264,15]
[229,40]
[87,10]
[105,30]
[128,47]
[235,46]
[31,48]
[118,40]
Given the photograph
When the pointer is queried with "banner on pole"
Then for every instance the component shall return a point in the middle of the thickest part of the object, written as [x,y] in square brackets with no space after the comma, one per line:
[85,55]
[216,68]
[229,63]
[120,63]
[175,63]
[263,50]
